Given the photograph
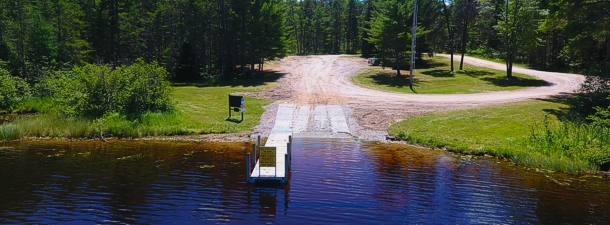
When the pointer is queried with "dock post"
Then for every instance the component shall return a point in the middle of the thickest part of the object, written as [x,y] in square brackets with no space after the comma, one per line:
[289,150]
[248,167]
[289,163]
[289,147]
[286,168]
[258,149]
[253,154]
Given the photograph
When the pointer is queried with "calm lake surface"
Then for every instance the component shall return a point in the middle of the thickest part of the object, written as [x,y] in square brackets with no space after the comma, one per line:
[334,181]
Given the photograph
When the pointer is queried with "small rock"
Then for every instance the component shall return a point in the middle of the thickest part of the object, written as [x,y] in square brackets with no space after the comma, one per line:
[391,138]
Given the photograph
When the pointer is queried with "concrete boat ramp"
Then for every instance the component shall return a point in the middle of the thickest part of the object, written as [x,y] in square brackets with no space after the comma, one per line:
[322,121]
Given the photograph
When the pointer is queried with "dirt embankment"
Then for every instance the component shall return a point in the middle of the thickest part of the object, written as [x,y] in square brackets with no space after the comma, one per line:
[325,80]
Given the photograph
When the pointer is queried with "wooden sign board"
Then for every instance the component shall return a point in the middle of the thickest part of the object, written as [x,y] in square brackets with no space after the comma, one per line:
[267,157]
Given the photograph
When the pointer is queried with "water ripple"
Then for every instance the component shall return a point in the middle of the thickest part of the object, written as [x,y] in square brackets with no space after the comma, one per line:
[334,181]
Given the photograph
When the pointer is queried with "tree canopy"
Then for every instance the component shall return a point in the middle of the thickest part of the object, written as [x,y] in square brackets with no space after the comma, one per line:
[231,39]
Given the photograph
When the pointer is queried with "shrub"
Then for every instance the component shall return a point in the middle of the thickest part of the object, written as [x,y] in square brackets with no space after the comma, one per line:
[94,90]
[12,90]
[150,91]
[601,117]
[594,94]
[572,139]
[51,83]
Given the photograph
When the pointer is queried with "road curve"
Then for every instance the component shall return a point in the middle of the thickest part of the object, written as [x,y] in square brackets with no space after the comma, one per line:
[326,80]
[559,83]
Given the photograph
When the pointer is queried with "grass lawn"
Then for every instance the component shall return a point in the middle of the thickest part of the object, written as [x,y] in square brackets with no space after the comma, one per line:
[205,107]
[434,77]
[519,64]
[200,108]
[494,130]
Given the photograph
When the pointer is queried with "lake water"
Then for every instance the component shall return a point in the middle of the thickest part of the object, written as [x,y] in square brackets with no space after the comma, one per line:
[334,181]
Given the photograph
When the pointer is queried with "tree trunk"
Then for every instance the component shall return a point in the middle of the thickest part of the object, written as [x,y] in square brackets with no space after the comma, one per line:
[262,64]
[302,50]
[252,63]
[464,38]
[117,34]
[608,50]
[397,64]
[243,46]
[449,33]
[60,43]
[509,60]
[509,68]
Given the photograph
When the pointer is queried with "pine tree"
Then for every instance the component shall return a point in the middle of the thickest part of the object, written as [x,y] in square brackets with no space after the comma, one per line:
[390,29]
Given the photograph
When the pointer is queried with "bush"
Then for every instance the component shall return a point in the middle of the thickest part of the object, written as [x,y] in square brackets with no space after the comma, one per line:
[12,90]
[571,139]
[95,90]
[601,118]
[594,94]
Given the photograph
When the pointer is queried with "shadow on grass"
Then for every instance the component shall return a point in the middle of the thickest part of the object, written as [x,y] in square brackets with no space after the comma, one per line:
[429,63]
[476,73]
[556,69]
[234,120]
[419,64]
[391,80]
[504,81]
[563,113]
[523,64]
[515,81]
[260,79]
[439,73]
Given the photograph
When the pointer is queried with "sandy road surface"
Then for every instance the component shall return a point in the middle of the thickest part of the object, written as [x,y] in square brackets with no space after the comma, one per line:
[325,80]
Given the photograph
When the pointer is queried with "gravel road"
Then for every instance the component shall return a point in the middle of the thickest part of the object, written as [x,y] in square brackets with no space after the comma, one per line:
[325,80]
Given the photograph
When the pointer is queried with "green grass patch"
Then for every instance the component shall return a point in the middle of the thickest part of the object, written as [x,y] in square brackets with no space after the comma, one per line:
[435,77]
[498,60]
[200,108]
[111,125]
[41,105]
[518,64]
[351,56]
[206,108]
[526,132]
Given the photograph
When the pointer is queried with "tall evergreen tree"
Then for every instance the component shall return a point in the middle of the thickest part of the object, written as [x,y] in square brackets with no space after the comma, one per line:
[390,29]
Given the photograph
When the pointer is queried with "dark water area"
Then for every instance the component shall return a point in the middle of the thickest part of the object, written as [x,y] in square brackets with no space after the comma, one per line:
[334,181]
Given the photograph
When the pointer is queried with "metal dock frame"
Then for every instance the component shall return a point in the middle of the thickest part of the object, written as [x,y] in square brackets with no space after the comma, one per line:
[253,174]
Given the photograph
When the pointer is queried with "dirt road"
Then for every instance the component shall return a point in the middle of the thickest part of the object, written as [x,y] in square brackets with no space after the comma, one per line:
[325,80]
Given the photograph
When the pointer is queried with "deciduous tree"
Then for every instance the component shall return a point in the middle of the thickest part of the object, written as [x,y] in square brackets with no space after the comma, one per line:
[518,28]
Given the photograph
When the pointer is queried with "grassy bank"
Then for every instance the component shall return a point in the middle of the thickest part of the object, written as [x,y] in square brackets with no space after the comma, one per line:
[524,132]
[435,77]
[199,109]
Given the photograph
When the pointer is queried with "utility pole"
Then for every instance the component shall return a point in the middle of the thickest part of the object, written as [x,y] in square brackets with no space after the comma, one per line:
[413,42]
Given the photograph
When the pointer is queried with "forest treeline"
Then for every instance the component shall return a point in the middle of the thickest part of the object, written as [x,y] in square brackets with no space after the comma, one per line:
[197,39]
[231,39]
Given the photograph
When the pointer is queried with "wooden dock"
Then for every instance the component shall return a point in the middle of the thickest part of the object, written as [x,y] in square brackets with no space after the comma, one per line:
[319,121]
[280,137]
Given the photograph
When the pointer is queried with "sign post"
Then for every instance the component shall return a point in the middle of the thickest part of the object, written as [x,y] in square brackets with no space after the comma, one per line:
[267,158]
[237,103]
[413,43]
